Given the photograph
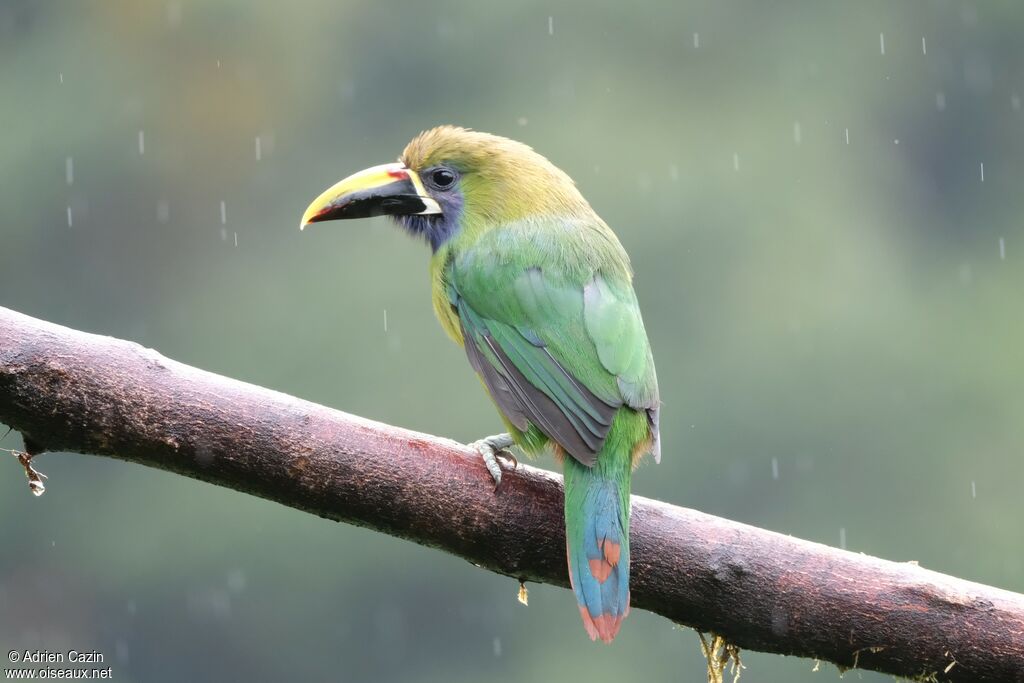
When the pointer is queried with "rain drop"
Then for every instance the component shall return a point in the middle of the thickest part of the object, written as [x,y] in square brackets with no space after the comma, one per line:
[881,42]
[69,170]
[236,239]
[1015,102]
[673,172]
[497,647]
[259,148]
[551,26]
[696,40]
[223,212]
[924,46]
[847,136]
[60,77]
[1002,249]
[522,121]
[385,321]
[797,134]
[142,142]
[940,101]
[736,161]
[69,216]
[842,537]
[974,490]
[775,468]
[982,169]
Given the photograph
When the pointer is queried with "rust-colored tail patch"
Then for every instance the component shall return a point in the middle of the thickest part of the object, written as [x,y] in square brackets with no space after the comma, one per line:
[605,626]
[602,568]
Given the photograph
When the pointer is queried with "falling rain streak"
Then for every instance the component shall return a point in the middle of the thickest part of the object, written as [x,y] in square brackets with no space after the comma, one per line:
[881,42]
[924,46]
[223,212]
[974,490]
[842,537]
[736,161]
[982,168]
[775,468]
[69,170]
[259,148]
[551,26]
[847,136]
[797,134]
[940,100]
[696,40]
[142,142]
[385,321]
[1002,249]
[69,216]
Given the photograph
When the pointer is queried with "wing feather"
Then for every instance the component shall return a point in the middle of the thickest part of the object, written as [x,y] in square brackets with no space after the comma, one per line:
[560,348]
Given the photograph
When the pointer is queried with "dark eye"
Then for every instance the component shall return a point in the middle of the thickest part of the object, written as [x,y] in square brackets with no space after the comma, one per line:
[442,178]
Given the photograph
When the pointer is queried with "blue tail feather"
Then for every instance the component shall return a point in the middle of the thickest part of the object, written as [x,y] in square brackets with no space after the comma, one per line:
[597,544]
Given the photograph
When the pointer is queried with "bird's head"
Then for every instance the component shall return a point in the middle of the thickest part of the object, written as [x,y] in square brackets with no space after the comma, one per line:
[449,179]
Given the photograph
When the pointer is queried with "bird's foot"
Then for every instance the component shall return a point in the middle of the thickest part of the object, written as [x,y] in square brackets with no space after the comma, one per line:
[490,449]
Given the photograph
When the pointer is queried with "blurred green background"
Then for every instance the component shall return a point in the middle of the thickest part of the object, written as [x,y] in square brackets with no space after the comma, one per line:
[822,202]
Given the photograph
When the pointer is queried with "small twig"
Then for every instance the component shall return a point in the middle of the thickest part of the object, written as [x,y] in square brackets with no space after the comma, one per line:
[719,653]
[35,477]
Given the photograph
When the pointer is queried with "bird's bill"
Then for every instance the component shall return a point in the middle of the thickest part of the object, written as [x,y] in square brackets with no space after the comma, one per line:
[388,189]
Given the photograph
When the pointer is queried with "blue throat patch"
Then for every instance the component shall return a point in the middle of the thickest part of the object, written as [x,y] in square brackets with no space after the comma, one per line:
[436,228]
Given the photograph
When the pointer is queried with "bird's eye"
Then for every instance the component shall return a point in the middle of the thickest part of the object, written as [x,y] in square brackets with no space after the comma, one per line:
[442,178]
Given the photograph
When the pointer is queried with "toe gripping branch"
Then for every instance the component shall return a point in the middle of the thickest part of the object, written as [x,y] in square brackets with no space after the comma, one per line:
[491,448]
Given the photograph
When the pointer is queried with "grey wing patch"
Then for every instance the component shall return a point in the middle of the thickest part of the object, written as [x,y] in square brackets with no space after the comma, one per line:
[502,392]
[654,418]
[523,403]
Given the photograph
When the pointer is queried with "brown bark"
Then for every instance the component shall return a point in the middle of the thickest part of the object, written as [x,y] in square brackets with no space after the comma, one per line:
[70,391]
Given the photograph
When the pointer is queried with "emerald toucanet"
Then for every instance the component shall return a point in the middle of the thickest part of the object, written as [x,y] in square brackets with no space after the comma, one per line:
[538,290]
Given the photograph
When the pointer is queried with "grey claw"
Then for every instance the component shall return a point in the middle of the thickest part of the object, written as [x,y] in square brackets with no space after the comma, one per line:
[492,448]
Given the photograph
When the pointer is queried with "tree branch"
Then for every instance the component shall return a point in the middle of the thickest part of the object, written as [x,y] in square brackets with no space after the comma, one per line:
[70,391]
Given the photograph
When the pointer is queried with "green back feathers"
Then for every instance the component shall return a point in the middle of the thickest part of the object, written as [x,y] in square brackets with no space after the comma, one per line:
[548,310]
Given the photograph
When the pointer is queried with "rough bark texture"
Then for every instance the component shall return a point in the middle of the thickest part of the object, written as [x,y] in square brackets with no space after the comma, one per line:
[69,391]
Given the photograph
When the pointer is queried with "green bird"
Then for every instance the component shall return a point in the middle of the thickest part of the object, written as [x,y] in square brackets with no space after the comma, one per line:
[538,290]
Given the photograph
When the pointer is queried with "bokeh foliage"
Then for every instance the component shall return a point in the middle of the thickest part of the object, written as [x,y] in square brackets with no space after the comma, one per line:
[832,291]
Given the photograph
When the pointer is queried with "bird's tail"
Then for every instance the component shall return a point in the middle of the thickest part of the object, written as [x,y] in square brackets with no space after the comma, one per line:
[597,534]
